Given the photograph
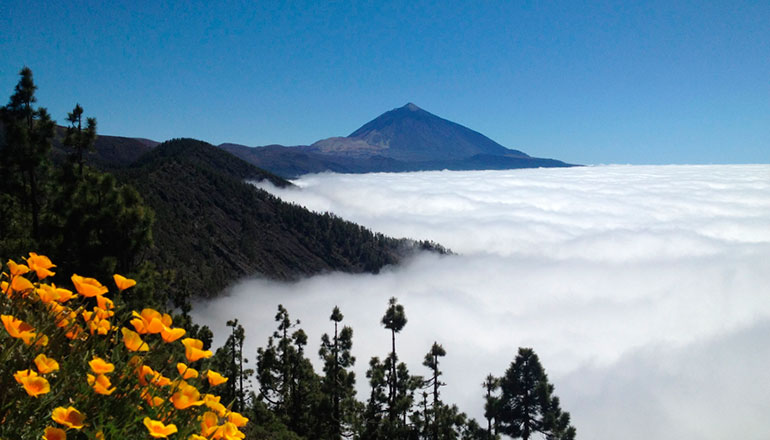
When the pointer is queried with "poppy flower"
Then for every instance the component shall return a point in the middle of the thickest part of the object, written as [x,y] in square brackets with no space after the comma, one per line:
[100,366]
[186,397]
[69,417]
[41,265]
[194,349]
[17,269]
[186,372]
[215,378]
[122,282]
[157,429]
[45,364]
[52,433]
[101,384]
[133,341]
[88,287]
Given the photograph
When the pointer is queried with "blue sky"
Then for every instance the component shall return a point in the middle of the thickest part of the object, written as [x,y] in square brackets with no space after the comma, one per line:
[598,82]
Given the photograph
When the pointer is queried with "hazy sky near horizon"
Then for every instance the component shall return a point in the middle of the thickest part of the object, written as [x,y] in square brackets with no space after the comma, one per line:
[596,82]
[643,289]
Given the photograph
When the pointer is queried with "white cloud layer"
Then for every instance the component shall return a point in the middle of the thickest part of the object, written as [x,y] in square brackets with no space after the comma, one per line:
[644,289]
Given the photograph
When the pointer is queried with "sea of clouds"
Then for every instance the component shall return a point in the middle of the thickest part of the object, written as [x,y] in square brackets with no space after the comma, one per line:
[645,290]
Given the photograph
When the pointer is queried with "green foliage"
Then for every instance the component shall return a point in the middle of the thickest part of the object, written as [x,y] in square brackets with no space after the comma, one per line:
[338,404]
[527,404]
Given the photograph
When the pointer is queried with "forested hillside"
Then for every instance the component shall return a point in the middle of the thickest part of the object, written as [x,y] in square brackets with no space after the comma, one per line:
[211,227]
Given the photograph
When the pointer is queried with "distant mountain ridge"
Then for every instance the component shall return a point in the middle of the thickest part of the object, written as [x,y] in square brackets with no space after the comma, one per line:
[403,139]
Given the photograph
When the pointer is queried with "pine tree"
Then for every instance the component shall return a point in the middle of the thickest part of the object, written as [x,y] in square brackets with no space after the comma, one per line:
[79,140]
[491,405]
[27,140]
[393,320]
[432,362]
[527,404]
[338,383]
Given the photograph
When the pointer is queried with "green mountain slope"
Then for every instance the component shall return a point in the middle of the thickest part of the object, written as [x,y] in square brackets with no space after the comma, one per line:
[213,228]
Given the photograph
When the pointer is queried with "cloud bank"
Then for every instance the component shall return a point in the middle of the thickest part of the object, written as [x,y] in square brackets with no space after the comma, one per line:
[644,289]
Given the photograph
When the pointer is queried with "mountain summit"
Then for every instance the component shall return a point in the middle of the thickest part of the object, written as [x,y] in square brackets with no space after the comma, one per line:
[407,138]
[410,133]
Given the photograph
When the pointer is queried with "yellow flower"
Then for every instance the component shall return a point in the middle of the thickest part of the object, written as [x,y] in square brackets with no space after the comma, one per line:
[40,264]
[133,341]
[100,366]
[74,332]
[186,397]
[101,384]
[196,437]
[157,429]
[88,287]
[212,402]
[150,321]
[45,364]
[172,334]
[17,269]
[186,372]
[21,284]
[47,294]
[228,431]
[215,378]
[21,374]
[194,350]
[122,282]
[237,419]
[52,433]
[69,417]
[64,294]
[100,326]
[104,303]
[33,385]
[16,327]
[209,423]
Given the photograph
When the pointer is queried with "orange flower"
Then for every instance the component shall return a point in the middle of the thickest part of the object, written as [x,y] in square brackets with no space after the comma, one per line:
[104,303]
[17,269]
[69,417]
[237,419]
[122,282]
[52,433]
[215,378]
[47,294]
[172,334]
[100,326]
[133,341]
[228,431]
[186,397]
[21,284]
[33,384]
[41,265]
[100,366]
[101,384]
[64,294]
[45,364]
[157,429]
[16,327]
[212,402]
[209,423]
[196,437]
[150,321]
[88,287]
[186,372]
[194,350]
[21,374]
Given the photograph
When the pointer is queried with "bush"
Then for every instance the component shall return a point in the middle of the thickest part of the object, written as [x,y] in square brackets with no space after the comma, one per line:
[78,364]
